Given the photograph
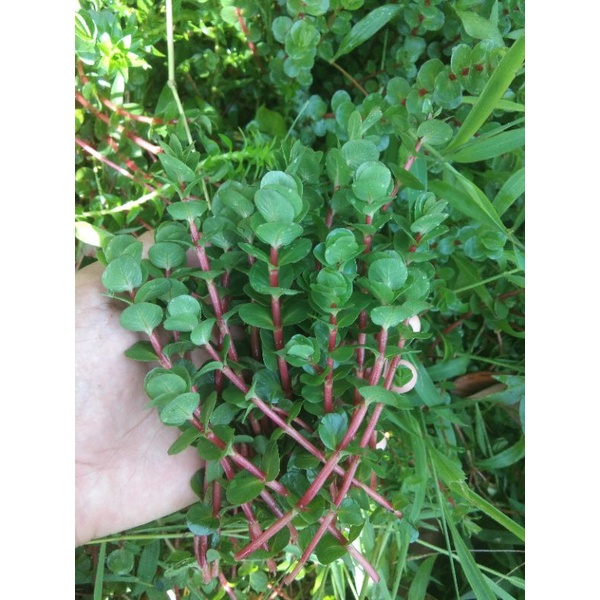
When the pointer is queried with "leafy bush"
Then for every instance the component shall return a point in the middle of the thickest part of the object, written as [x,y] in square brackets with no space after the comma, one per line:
[336,193]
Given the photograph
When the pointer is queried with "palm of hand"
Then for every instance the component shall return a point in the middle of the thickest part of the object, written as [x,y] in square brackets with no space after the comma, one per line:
[124,476]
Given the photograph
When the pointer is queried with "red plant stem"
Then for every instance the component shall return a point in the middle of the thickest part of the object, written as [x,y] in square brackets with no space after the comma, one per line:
[102,158]
[130,164]
[296,436]
[328,384]
[253,525]
[332,461]
[407,166]
[200,549]
[225,585]
[215,299]
[284,374]
[141,142]
[251,45]
[380,360]
[274,508]
[164,360]
[266,535]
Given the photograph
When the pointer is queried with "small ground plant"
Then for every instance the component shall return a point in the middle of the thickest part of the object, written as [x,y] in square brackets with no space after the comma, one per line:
[332,306]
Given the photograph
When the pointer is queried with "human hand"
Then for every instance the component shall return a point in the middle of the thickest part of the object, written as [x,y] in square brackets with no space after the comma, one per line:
[123,474]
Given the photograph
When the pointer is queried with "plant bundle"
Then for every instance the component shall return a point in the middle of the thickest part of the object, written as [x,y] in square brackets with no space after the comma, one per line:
[318,277]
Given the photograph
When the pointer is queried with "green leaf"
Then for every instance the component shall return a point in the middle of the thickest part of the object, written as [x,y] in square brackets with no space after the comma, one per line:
[153,289]
[357,152]
[490,147]
[274,206]
[278,234]
[244,488]
[270,462]
[390,271]
[479,27]
[90,234]
[183,322]
[366,28]
[505,458]
[202,333]
[332,428]
[434,132]
[329,550]
[166,255]
[471,569]
[513,188]
[256,315]
[379,395]
[142,351]
[418,587]
[467,198]
[295,252]
[186,211]
[188,437]
[120,561]
[494,89]
[177,171]
[159,382]
[143,317]
[123,274]
[372,181]
[182,305]
[181,409]
[200,520]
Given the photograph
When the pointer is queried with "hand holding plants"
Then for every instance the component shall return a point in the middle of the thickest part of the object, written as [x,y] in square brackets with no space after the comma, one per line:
[124,476]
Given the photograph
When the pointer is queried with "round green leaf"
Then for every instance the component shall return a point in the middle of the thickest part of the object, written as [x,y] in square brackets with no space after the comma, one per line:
[143,317]
[278,234]
[332,429]
[373,181]
[357,152]
[273,206]
[434,132]
[159,383]
[123,274]
[166,255]
[184,304]
[186,211]
[390,271]
[202,333]
[120,561]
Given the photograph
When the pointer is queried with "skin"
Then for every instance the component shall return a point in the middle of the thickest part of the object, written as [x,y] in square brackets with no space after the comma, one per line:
[123,474]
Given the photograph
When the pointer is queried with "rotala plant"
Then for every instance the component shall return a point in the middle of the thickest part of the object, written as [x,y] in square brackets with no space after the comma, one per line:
[335,190]
[281,318]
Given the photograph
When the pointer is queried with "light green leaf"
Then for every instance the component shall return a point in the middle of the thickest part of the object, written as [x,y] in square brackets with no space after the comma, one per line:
[123,274]
[479,27]
[180,409]
[90,234]
[143,317]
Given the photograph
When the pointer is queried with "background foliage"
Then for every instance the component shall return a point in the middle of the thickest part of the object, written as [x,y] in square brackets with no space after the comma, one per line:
[435,92]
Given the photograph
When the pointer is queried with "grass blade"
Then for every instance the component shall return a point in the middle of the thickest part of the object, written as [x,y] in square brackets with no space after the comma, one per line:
[512,189]
[99,581]
[418,587]
[479,585]
[366,28]
[460,488]
[492,93]
[483,149]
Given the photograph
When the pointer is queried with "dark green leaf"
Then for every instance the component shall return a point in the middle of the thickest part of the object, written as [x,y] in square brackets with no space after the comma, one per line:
[256,315]
[166,255]
[244,488]
[332,429]
[200,520]
[120,561]
[188,437]
[180,409]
